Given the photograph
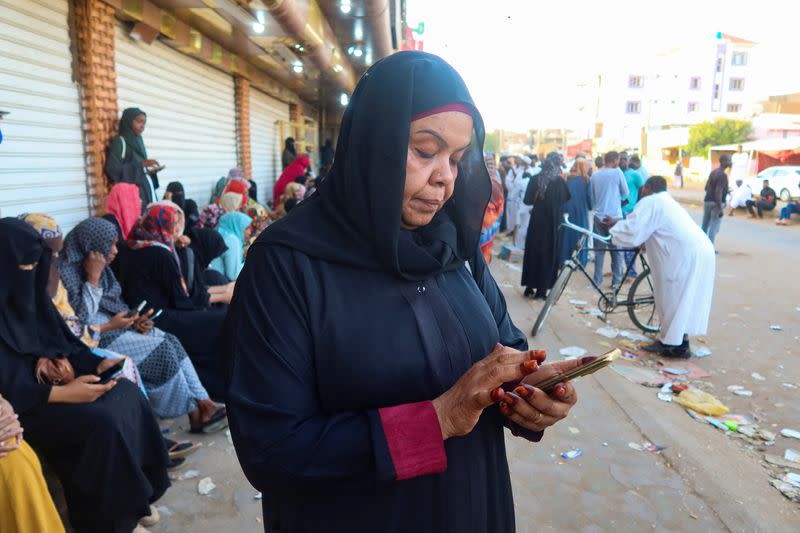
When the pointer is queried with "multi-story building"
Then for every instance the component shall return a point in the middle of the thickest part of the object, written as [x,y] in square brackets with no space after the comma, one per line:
[673,90]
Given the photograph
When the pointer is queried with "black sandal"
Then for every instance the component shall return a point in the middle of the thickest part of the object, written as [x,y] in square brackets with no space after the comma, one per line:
[180,449]
[217,422]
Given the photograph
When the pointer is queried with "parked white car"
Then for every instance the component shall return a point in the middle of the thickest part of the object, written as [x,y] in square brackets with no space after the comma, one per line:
[783,180]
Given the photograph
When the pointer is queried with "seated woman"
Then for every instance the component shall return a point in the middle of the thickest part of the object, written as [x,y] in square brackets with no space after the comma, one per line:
[101,439]
[26,505]
[170,379]
[152,272]
[235,228]
[126,156]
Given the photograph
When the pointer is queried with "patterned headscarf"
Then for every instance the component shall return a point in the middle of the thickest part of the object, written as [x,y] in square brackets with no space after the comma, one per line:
[209,217]
[46,225]
[94,234]
[157,227]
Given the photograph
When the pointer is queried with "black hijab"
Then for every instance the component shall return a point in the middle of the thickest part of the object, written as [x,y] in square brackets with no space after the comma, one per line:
[178,194]
[191,213]
[207,244]
[133,141]
[354,219]
[29,324]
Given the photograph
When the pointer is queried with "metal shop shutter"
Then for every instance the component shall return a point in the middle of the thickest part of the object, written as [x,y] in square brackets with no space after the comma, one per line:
[191,115]
[266,146]
[42,165]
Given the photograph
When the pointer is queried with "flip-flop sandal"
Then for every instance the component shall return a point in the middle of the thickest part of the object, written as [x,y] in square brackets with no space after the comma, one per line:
[176,464]
[180,449]
[217,422]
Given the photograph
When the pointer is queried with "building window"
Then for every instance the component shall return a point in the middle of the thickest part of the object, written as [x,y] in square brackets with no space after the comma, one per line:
[635,82]
[719,64]
[734,108]
[692,107]
[739,58]
[736,84]
[716,91]
[633,107]
[694,83]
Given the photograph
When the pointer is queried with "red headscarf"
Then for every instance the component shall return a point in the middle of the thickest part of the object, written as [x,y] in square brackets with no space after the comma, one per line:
[296,168]
[239,186]
[124,203]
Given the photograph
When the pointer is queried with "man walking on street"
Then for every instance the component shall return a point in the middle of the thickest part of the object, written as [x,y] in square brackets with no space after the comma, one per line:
[682,262]
[716,192]
[607,188]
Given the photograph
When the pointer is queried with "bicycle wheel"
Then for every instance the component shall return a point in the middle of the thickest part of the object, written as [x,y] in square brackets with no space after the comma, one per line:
[642,303]
[552,298]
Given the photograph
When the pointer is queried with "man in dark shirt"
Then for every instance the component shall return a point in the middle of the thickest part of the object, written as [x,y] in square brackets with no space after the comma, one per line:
[716,191]
[766,202]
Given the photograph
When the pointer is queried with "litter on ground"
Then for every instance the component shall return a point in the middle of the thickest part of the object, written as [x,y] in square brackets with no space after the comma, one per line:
[572,351]
[790,433]
[572,454]
[701,352]
[758,377]
[701,401]
[205,486]
[574,430]
[608,332]
[578,302]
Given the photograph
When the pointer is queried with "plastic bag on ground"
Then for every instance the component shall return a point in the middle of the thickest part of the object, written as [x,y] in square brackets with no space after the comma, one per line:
[701,402]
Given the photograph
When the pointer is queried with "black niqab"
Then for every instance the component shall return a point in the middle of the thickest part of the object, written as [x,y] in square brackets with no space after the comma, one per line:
[354,219]
[178,194]
[29,324]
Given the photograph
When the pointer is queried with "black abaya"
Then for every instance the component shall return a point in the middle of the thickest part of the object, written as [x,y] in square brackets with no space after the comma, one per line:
[152,274]
[542,243]
[344,327]
[108,454]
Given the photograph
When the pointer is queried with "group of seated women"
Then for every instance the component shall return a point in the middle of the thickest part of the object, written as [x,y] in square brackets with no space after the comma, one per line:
[146,286]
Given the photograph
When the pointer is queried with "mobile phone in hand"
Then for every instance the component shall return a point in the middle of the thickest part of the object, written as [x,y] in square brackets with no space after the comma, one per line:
[111,372]
[138,310]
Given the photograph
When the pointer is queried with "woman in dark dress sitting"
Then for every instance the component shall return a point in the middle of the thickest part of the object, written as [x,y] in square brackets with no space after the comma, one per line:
[101,439]
[367,341]
[152,271]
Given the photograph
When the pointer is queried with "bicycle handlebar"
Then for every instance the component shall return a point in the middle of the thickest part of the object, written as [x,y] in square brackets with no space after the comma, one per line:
[570,225]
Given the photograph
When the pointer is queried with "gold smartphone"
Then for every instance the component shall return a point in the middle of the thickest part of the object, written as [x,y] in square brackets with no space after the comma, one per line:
[582,370]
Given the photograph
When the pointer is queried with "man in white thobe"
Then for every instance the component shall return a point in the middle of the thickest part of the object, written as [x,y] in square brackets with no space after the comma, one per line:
[740,162]
[738,197]
[682,262]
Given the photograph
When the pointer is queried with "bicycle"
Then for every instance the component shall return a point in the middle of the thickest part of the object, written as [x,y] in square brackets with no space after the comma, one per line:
[641,303]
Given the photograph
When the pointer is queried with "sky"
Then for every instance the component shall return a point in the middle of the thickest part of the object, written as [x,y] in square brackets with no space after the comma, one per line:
[522,59]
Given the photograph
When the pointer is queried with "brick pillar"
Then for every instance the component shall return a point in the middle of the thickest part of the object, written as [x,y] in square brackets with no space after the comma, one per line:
[93,38]
[242,98]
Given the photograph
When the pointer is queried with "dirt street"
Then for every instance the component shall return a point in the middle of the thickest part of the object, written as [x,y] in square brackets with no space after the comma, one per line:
[703,481]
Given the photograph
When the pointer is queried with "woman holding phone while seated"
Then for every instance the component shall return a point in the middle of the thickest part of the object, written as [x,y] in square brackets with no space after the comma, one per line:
[367,341]
[170,378]
[101,439]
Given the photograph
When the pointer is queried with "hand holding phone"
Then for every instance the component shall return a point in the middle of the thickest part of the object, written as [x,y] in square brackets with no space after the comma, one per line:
[111,372]
[138,310]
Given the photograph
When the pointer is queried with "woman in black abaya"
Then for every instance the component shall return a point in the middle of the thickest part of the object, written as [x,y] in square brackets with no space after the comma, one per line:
[102,440]
[365,357]
[547,193]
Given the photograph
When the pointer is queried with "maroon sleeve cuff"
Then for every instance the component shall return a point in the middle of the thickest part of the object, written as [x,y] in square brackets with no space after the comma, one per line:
[414,438]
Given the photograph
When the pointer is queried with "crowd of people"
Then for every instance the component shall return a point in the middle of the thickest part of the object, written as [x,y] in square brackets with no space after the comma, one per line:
[114,325]
[719,196]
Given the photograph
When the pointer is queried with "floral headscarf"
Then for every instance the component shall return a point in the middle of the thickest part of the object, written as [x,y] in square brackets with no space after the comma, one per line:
[239,186]
[157,227]
[209,217]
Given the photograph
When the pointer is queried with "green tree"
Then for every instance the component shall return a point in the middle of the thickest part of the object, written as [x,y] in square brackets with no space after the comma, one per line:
[492,142]
[721,131]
